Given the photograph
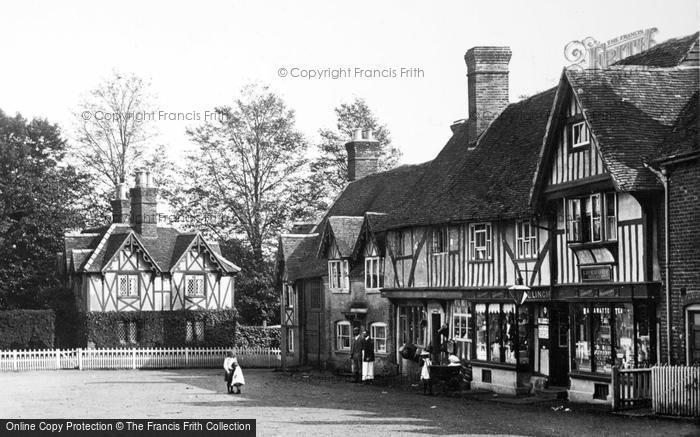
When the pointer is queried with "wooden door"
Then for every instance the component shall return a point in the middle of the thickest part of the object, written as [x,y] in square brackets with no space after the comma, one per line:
[313,322]
[559,346]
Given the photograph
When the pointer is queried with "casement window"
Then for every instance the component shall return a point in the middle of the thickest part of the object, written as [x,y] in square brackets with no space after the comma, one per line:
[411,331]
[290,340]
[127,332]
[461,328]
[128,285]
[342,335]
[525,240]
[194,285]
[374,273]
[592,218]
[289,296]
[440,240]
[194,331]
[579,136]
[338,275]
[480,242]
[378,333]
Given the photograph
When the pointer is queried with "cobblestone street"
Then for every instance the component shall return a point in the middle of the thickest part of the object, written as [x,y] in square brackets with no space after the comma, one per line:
[285,405]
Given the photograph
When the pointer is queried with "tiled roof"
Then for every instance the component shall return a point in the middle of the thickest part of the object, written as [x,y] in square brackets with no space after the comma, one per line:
[300,260]
[489,182]
[631,112]
[345,230]
[670,53]
[165,250]
[683,139]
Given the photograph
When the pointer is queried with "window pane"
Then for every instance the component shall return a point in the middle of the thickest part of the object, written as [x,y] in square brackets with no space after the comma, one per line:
[481,332]
[510,333]
[495,332]
[602,331]
[645,354]
[595,201]
[624,336]
[582,357]
[610,216]
[524,333]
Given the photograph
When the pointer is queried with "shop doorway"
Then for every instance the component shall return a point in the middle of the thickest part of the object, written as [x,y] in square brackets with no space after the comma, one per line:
[436,323]
[559,346]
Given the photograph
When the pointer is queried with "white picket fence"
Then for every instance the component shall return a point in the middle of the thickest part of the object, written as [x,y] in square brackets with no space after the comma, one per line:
[675,390]
[134,358]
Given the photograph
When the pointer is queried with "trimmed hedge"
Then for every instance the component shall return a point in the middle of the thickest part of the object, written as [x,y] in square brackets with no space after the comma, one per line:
[161,328]
[27,329]
[258,336]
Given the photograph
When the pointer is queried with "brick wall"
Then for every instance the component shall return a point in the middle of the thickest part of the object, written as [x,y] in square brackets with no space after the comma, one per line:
[684,245]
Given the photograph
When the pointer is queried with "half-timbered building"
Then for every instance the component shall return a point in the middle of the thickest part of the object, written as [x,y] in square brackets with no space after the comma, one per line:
[134,265]
[532,246]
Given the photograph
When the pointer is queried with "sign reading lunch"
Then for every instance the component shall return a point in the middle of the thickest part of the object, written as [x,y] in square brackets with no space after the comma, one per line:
[589,54]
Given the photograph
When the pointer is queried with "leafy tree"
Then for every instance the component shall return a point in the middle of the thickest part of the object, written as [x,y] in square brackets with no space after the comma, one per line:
[247,176]
[114,122]
[330,169]
[38,202]
[256,298]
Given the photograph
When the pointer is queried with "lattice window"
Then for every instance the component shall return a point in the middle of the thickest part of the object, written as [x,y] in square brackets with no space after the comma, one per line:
[128,285]
[127,332]
[194,330]
[195,285]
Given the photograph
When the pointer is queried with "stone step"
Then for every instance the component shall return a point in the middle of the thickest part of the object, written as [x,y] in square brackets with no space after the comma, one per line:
[552,392]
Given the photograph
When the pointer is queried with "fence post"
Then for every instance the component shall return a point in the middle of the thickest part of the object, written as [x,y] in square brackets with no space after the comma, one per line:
[133,358]
[58,359]
[616,388]
[187,357]
[14,360]
[80,358]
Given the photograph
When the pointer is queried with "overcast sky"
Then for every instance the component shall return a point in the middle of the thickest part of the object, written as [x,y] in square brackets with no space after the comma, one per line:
[199,54]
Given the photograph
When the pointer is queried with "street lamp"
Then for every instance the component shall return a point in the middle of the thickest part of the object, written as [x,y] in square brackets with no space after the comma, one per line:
[518,292]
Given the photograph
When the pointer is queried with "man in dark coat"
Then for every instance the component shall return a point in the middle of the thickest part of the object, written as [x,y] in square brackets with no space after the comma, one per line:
[356,347]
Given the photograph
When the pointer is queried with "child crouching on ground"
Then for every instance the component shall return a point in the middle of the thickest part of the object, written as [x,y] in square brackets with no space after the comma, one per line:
[234,374]
[425,372]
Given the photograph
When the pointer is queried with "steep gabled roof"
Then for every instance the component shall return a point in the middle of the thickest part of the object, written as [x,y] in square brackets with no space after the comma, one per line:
[299,254]
[670,53]
[492,181]
[344,231]
[631,112]
[104,242]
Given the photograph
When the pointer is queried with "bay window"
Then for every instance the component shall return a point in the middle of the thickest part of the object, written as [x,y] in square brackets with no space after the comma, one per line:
[591,218]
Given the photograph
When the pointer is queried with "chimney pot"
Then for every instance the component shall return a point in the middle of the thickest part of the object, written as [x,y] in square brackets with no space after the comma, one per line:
[358,134]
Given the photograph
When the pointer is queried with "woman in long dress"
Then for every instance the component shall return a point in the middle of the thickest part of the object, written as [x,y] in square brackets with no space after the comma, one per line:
[367,359]
[237,379]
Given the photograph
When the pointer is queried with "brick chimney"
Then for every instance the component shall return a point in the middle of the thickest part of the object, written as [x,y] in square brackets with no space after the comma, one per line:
[363,155]
[487,80]
[121,207]
[144,213]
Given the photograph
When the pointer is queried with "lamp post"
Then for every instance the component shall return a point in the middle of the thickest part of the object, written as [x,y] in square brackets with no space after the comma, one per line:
[518,292]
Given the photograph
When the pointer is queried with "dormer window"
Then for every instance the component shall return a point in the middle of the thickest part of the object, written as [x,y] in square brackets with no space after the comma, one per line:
[338,280]
[128,286]
[374,273]
[579,135]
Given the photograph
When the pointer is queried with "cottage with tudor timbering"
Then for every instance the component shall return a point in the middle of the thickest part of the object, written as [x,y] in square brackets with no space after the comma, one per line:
[142,283]
[537,235]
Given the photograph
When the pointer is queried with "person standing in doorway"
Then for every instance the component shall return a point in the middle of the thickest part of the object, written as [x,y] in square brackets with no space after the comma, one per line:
[367,359]
[356,353]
